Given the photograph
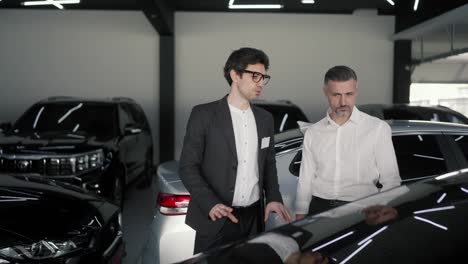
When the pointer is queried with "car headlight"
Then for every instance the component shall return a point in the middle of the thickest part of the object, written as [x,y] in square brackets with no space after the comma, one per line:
[74,164]
[41,250]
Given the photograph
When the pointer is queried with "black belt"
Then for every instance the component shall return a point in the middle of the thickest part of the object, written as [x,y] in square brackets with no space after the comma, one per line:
[330,202]
[240,208]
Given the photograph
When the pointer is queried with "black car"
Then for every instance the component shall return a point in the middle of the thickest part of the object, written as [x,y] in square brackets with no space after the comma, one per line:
[100,145]
[285,114]
[414,112]
[47,222]
[423,222]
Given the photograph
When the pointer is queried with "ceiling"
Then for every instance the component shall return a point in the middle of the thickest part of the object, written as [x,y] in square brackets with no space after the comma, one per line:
[432,22]
[289,6]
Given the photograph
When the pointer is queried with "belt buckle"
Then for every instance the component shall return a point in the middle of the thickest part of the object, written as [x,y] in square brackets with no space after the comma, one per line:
[333,202]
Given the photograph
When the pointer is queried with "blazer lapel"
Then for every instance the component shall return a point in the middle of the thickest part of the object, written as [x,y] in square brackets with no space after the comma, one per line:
[259,123]
[225,119]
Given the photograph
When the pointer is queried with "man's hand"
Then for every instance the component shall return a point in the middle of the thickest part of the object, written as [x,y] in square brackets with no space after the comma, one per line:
[220,210]
[300,216]
[280,209]
[306,257]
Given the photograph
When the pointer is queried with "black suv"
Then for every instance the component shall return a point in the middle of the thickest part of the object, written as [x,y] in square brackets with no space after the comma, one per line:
[285,114]
[100,145]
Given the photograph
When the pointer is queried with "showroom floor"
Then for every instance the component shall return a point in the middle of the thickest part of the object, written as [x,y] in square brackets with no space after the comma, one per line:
[137,215]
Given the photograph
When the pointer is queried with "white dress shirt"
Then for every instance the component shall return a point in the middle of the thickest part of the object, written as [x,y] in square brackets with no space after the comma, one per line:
[246,190]
[344,162]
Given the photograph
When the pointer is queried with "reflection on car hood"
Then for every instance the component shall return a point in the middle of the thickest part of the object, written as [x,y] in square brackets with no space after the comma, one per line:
[424,222]
[34,211]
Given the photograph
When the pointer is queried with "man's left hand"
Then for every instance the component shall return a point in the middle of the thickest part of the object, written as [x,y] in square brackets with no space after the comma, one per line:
[280,209]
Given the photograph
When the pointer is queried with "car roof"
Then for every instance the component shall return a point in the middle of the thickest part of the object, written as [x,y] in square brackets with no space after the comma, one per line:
[398,126]
[434,108]
[273,102]
[72,99]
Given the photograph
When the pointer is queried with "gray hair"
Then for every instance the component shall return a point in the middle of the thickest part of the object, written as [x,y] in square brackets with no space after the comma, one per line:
[339,73]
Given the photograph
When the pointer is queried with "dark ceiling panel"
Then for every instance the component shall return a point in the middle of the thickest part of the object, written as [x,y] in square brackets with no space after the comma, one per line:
[290,6]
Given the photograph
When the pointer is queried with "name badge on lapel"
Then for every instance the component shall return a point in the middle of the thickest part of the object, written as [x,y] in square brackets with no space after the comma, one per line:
[265,142]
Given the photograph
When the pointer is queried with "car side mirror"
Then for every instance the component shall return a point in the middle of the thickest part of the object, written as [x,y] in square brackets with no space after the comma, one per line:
[4,127]
[132,130]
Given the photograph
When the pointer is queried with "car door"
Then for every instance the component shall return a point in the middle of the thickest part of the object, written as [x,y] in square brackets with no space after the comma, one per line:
[458,143]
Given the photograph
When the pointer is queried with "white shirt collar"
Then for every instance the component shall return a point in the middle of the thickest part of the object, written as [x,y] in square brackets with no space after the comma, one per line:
[356,116]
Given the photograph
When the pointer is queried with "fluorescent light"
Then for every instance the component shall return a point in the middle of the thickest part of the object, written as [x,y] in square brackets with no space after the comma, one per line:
[308,1]
[355,252]
[430,222]
[373,235]
[434,209]
[333,241]
[416,4]
[57,3]
[448,175]
[255,6]
[391,2]
[427,157]
[441,198]
[233,6]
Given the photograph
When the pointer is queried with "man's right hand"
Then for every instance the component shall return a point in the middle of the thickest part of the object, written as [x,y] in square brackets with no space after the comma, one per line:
[220,210]
[300,216]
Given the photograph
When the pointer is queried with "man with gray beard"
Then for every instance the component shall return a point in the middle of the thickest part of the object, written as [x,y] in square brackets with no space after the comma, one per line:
[346,155]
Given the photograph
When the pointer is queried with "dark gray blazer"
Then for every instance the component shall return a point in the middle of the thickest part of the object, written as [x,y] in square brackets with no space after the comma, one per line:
[208,162]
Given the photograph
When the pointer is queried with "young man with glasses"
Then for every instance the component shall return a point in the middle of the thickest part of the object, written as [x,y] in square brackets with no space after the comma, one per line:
[228,159]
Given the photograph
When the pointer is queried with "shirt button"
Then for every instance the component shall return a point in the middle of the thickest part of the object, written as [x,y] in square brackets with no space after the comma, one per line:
[245,161]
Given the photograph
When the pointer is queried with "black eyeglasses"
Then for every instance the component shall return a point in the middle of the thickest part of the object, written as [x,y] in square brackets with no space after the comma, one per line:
[256,76]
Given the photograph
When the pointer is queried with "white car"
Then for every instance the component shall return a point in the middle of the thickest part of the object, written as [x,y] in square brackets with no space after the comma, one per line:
[423,149]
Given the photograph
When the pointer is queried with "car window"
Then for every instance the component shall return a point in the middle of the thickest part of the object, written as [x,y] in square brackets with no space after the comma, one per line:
[285,117]
[403,114]
[418,156]
[462,142]
[126,118]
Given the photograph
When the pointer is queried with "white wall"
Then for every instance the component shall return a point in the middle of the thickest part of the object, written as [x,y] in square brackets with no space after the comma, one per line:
[78,53]
[301,48]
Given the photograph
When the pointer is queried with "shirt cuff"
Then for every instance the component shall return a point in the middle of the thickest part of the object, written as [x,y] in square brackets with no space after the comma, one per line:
[302,207]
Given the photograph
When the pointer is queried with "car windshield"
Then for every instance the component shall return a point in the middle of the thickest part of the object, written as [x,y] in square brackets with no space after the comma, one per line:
[74,118]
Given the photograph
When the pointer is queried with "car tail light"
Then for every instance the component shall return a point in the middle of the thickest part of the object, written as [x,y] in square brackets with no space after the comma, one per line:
[173,204]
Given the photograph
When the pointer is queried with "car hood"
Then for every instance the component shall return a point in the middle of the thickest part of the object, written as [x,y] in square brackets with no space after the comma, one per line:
[36,211]
[52,143]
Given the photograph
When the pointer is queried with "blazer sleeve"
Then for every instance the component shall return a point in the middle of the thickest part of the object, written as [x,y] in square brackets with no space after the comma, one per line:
[271,186]
[190,166]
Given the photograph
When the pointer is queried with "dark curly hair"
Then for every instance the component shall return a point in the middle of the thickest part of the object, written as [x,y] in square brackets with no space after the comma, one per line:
[241,58]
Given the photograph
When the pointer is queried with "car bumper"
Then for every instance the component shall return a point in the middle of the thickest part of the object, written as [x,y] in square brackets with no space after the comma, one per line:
[170,240]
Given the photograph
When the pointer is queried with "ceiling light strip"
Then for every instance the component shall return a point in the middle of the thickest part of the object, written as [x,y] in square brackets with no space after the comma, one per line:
[416,4]
[308,1]
[391,2]
[59,2]
[233,6]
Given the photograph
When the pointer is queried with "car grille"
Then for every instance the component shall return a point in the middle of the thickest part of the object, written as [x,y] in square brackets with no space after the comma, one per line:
[44,166]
